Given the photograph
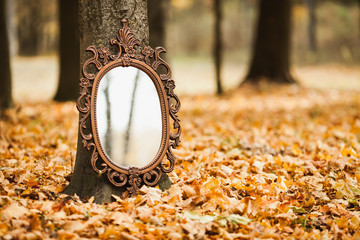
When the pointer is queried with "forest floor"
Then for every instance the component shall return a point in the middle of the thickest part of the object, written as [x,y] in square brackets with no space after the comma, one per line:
[279,163]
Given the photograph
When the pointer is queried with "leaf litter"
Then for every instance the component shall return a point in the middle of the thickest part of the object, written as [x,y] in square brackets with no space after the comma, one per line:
[282,163]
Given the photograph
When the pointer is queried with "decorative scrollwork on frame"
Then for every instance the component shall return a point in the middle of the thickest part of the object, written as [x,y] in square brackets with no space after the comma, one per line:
[114,175]
[152,177]
[128,54]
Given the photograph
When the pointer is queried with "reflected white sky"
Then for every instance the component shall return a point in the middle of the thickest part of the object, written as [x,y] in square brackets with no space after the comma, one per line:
[146,124]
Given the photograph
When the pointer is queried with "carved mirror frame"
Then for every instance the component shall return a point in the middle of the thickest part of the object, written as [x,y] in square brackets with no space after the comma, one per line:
[129,53]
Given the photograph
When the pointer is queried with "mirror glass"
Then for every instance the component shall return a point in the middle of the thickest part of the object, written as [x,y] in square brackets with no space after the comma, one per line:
[128,115]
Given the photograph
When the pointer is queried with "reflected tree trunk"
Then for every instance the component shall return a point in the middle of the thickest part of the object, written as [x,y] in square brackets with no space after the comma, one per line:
[218,45]
[271,50]
[108,134]
[5,79]
[99,21]
[69,51]
[311,5]
[131,113]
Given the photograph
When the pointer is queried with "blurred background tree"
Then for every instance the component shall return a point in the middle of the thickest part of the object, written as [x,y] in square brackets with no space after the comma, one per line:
[69,46]
[311,24]
[158,17]
[271,48]
[35,20]
[218,45]
[5,79]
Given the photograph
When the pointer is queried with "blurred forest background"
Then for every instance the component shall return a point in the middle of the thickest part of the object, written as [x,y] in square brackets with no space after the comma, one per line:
[328,58]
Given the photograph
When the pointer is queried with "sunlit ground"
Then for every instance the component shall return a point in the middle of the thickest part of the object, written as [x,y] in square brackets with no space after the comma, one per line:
[35,79]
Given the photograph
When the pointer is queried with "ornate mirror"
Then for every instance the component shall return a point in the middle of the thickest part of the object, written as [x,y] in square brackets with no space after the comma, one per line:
[131,106]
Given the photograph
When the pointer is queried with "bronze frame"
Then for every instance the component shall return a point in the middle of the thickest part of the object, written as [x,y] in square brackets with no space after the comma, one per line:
[149,61]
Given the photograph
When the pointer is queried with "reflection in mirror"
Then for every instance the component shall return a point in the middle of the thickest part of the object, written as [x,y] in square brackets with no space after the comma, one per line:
[128,115]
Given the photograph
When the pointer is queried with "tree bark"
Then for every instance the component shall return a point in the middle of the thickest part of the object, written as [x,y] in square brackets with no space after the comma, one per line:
[312,25]
[69,51]
[5,79]
[99,21]
[271,50]
[218,45]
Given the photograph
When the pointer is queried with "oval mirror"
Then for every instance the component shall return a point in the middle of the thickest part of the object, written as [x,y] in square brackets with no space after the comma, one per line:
[128,117]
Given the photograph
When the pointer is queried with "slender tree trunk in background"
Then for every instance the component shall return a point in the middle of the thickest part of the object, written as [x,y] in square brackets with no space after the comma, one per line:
[69,51]
[29,26]
[99,21]
[312,25]
[359,18]
[157,10]
[271,50]
[11,26]
[5,79]
[218,45]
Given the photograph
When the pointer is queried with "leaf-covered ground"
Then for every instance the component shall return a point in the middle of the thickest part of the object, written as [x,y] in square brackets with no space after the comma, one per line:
[280,163]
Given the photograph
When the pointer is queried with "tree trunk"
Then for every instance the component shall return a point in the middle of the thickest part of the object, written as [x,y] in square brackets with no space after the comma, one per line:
[271,51]
[312,25]
[68,86]
[99,21]
[5,79]
[29,26]
[218,45]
